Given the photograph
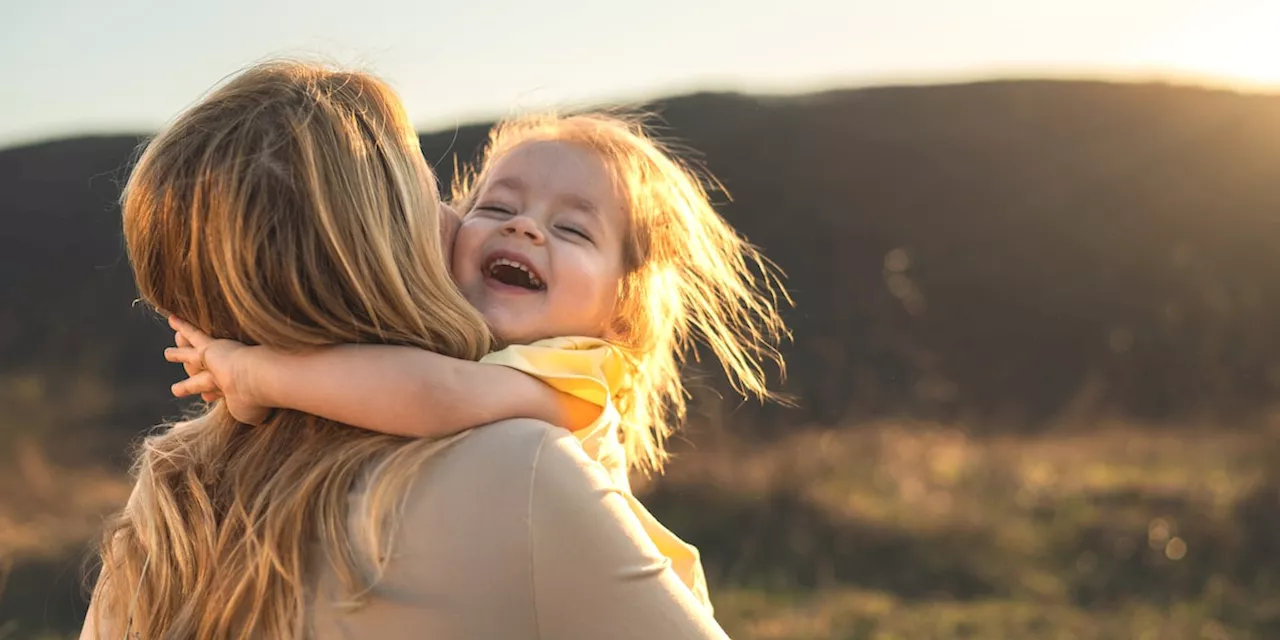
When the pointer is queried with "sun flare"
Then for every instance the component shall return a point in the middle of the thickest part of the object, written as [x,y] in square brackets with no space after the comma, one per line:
[1239,46]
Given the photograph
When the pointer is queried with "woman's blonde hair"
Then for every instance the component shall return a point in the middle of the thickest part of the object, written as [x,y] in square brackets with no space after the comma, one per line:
[690,278]
[292,208]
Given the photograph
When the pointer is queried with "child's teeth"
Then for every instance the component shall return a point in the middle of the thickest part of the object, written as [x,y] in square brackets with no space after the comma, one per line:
[537,282]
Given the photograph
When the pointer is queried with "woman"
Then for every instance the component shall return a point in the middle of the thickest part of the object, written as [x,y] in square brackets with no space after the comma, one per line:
[292,208]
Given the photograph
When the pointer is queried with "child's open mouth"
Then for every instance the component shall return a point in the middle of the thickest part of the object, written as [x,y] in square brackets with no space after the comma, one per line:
[514,273]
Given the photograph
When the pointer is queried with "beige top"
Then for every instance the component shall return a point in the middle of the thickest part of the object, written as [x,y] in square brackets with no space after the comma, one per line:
[511,532]
[595,371]
[514,532]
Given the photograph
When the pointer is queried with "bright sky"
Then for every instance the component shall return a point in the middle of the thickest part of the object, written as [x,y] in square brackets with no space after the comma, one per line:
[87,66]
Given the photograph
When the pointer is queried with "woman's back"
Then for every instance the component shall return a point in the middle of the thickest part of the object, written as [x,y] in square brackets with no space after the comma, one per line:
[511,531]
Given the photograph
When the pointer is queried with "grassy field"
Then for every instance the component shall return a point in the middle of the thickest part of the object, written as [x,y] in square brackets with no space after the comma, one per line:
[889,531]
[916,531]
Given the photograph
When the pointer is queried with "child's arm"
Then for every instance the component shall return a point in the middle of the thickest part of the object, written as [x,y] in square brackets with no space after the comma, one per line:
[397,390]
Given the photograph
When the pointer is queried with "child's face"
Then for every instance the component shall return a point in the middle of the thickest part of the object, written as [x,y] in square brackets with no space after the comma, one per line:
[540,254]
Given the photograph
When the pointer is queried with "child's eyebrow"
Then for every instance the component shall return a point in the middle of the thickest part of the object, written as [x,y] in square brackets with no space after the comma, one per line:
[510,182]
[580,203]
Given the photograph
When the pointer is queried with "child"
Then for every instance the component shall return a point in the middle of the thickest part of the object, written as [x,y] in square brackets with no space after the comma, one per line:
[596,256]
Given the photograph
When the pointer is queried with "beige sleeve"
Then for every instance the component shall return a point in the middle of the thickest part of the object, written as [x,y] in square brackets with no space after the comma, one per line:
[596,572]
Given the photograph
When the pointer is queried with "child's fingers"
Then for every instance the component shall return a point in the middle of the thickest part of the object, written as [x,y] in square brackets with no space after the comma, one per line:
[193,334]
[201,383]
[186,355]
[191,368]
[210,397]
[180,339]
[192,361]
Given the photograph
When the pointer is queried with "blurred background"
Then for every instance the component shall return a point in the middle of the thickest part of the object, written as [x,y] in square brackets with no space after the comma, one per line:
[1033,248]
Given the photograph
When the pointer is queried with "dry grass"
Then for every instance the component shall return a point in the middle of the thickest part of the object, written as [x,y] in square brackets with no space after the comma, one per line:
[47,510]
[906,531]
[922,531]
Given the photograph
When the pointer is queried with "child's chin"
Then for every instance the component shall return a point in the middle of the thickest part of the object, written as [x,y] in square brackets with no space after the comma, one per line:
[513,332]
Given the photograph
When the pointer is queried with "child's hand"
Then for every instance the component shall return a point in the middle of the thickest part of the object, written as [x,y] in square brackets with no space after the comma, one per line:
[192,368]
[215,369]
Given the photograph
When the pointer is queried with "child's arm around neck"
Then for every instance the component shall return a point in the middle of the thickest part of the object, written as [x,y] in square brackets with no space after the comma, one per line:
[400,390]
[397,390]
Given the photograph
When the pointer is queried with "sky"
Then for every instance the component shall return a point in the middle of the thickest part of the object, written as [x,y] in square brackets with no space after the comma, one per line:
[85,66]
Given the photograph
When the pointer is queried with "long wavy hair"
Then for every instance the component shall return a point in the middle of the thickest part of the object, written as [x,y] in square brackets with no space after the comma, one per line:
[690,279]
[291,208]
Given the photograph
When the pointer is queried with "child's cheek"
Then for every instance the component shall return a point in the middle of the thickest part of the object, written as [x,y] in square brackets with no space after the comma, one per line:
[450,222]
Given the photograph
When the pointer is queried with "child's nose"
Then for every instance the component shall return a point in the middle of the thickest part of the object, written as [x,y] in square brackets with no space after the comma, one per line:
[524,226]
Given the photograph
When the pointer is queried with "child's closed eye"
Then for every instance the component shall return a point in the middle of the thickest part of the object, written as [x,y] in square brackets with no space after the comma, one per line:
[495,209]
[572,230]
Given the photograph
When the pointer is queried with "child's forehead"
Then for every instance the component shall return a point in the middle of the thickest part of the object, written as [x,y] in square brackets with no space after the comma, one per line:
[573,168]
[532,155]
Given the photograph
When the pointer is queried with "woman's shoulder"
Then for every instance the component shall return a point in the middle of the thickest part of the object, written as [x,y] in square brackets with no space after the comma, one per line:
[525,453]
[480,480]
[460,547]
[496,460]
[515,517]
[510,467]
[515,440]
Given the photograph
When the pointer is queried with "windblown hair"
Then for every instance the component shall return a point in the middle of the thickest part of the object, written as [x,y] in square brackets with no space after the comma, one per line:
[690,278]
[291,208]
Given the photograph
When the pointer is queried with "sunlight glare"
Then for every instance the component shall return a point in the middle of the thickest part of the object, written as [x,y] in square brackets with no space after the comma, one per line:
[1239,47]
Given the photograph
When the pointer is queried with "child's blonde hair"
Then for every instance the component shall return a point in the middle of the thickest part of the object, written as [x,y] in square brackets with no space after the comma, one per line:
[690,278]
